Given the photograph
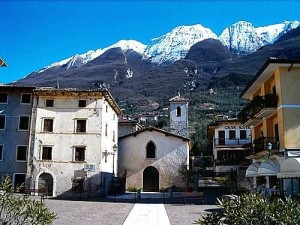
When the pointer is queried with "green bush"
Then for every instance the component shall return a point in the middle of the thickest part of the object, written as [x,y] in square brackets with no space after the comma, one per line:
[17,210]
[254,209]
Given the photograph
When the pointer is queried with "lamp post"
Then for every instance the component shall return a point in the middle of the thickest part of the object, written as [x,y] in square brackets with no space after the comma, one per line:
[106,153]
[269,148]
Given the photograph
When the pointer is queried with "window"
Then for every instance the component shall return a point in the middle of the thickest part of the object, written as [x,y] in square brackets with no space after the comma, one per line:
[2,122]
[49,102]
[232,134]
[106,129]
[150,149]
[82,103]
[80,126]
[24,123]
[25,98]
[1,152]
[243,134]
[46,153]
[79,154]
[48,125]
[178,111]
[21,153]
[106,108]
[19,181]
[3,97]
[114,138]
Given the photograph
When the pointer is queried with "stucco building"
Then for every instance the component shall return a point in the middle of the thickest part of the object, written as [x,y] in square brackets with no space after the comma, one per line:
[15,117]
[73,133]
[274,115]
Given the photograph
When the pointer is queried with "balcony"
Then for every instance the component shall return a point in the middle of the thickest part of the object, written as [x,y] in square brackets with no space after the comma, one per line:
[226,142]
[265,146]
[260,107]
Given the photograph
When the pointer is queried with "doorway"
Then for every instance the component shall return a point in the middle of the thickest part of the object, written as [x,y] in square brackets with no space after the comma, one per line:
[151,179]
[46,181]
[221,137]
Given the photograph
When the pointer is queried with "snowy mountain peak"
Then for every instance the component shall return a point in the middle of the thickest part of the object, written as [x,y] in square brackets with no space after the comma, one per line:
[243,38]
[175,44]
[126,45]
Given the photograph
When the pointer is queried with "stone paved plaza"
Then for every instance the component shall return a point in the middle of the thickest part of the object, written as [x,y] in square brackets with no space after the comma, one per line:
[115,213]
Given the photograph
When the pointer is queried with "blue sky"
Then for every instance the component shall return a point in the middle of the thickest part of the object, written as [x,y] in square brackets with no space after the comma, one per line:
[35,34]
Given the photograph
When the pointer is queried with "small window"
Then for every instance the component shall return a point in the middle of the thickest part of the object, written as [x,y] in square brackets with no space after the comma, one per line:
[81,126]
[21,153]
[2,122]
[232,134]
[1,152]
[3,97]
[150,149]
[178,111]
[26,98]
[114,134]
[48,125]
[79,154]
[46,153]
[243,134]
[49,102]
[82,103]
[24,123]
[105,129]
[19,181]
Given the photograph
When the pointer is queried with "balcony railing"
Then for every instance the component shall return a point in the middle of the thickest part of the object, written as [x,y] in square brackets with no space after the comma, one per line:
[265,144]
[231,142]
[256,105]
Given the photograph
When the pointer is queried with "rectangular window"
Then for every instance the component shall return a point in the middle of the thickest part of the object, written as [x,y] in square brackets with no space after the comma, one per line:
[19,181]
[3,98]
[49,102]
[105,129]
[46,153]
[48,125]
[25,98]
[81,126]
[1,152]
[82,103]
[232,134]
[243,134]
[114,138]
[21,153]
[24,123]
[79,154]
[2,122]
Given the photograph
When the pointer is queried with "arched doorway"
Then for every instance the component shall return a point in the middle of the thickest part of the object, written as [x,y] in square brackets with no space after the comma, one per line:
[151,179]
[46,181]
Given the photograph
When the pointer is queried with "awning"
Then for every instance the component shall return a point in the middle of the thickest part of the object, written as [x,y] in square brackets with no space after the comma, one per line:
[269,167]
[290,168]
[252,170]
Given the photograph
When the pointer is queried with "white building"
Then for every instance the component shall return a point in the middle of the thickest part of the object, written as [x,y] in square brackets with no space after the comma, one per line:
[230,139]
[72,137]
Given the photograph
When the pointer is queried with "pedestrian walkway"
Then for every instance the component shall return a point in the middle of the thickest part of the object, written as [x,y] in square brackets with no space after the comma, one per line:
[147,214]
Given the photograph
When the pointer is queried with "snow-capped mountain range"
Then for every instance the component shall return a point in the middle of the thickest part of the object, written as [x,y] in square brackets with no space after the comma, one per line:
[240,38]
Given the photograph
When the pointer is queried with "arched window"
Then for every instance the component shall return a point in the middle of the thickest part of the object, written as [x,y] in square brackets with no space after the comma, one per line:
[150,150]
[178,111]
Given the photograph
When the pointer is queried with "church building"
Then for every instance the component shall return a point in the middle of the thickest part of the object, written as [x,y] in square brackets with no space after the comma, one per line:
[153,158]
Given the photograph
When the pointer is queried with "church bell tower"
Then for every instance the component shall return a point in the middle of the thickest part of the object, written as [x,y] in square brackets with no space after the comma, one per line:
[179,116]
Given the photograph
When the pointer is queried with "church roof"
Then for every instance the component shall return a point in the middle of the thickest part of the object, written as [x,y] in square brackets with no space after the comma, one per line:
[166,133]
[178,98]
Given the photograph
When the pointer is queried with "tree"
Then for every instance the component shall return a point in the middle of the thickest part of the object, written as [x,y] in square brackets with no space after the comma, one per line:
[17,210]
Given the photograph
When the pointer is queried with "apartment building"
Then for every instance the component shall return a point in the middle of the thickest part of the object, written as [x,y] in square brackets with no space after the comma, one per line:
[274,116]
[15,119]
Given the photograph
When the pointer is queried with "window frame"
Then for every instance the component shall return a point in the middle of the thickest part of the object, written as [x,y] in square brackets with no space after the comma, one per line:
[23,116]
[43,128]
[25,103]
[1,152]
[76,125]
[154,150]
[3,116]
[241,136]
[47,101]
[17,150]
[80,101]
[82,148]
[230,132]
[42,152]
[178,111]
[6,97]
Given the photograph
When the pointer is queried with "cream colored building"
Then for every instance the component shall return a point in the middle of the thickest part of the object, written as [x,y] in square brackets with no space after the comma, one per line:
[152,159]
[72,137]
[274,115]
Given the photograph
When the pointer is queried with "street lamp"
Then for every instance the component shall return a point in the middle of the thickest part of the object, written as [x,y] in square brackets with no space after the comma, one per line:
[106,153]
[269,148]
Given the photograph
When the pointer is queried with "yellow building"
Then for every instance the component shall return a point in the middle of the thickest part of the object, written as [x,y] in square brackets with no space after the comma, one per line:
[274,116]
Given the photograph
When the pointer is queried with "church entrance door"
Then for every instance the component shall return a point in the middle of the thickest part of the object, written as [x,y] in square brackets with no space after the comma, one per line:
[151,179]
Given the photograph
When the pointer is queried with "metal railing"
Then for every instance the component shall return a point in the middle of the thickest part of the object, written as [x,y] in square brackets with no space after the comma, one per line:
[229,142]
[265,143]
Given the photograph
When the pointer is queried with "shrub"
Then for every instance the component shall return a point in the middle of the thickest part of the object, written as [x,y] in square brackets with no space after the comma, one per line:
[17,210]
[254,209]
